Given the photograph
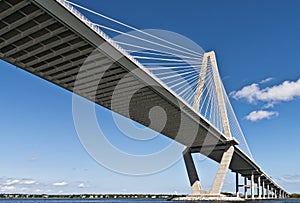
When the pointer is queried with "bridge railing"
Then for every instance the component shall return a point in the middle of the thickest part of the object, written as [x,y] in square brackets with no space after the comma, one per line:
[96,28]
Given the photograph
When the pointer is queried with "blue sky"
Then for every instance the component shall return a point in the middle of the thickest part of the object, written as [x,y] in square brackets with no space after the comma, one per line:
[257,47]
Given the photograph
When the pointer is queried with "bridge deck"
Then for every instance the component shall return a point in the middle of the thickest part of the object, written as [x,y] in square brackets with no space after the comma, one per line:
[48,40]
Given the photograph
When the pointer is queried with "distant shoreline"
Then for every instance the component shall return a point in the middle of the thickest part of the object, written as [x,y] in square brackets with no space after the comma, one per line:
[88,196]
[101,196]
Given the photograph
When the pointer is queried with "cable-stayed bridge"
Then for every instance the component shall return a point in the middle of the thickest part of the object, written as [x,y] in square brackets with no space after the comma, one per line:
[132,74]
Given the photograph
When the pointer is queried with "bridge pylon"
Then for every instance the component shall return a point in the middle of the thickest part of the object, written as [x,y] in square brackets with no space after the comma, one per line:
[228,150]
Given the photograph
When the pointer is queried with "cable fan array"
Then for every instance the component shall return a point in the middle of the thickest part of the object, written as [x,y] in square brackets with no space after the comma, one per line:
[176,63]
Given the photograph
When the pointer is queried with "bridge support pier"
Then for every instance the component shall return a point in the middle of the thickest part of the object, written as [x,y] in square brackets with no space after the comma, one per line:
[228,152]
[268,191]
[245,187]
[258,188]
[220,176]
[191,171]
[252,186]
[237,184]
[263,190]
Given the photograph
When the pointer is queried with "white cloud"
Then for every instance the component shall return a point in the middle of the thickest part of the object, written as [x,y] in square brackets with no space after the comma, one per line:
[82,185]
[286,91]
[8,188]
[266,80]
[248,92]
[18,185]
[60,184]
[8,185]
[261,114]
[28,182]
[11,182]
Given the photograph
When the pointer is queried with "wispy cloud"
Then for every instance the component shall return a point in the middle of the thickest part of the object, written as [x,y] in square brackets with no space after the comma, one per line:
[261,114]
[33,158]
[60,184]
[11,182]
[266,80]
[290,179]
[286,91]
[8,188]
[24,185]
[8,185]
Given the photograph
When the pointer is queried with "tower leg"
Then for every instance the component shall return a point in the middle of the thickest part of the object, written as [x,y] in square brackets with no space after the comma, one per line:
[192,172]
[222,171]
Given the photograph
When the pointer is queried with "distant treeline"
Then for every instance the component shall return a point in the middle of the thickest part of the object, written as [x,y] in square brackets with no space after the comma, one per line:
[295,195]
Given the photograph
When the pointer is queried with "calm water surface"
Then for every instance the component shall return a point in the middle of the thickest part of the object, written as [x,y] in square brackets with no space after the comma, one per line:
[126,200]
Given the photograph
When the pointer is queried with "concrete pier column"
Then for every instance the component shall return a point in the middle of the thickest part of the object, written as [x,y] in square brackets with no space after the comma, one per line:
[245,188]
[192,172]
[268,191]
[258,188]
[237,184]
[263,190]
[252,186]
[271,193]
